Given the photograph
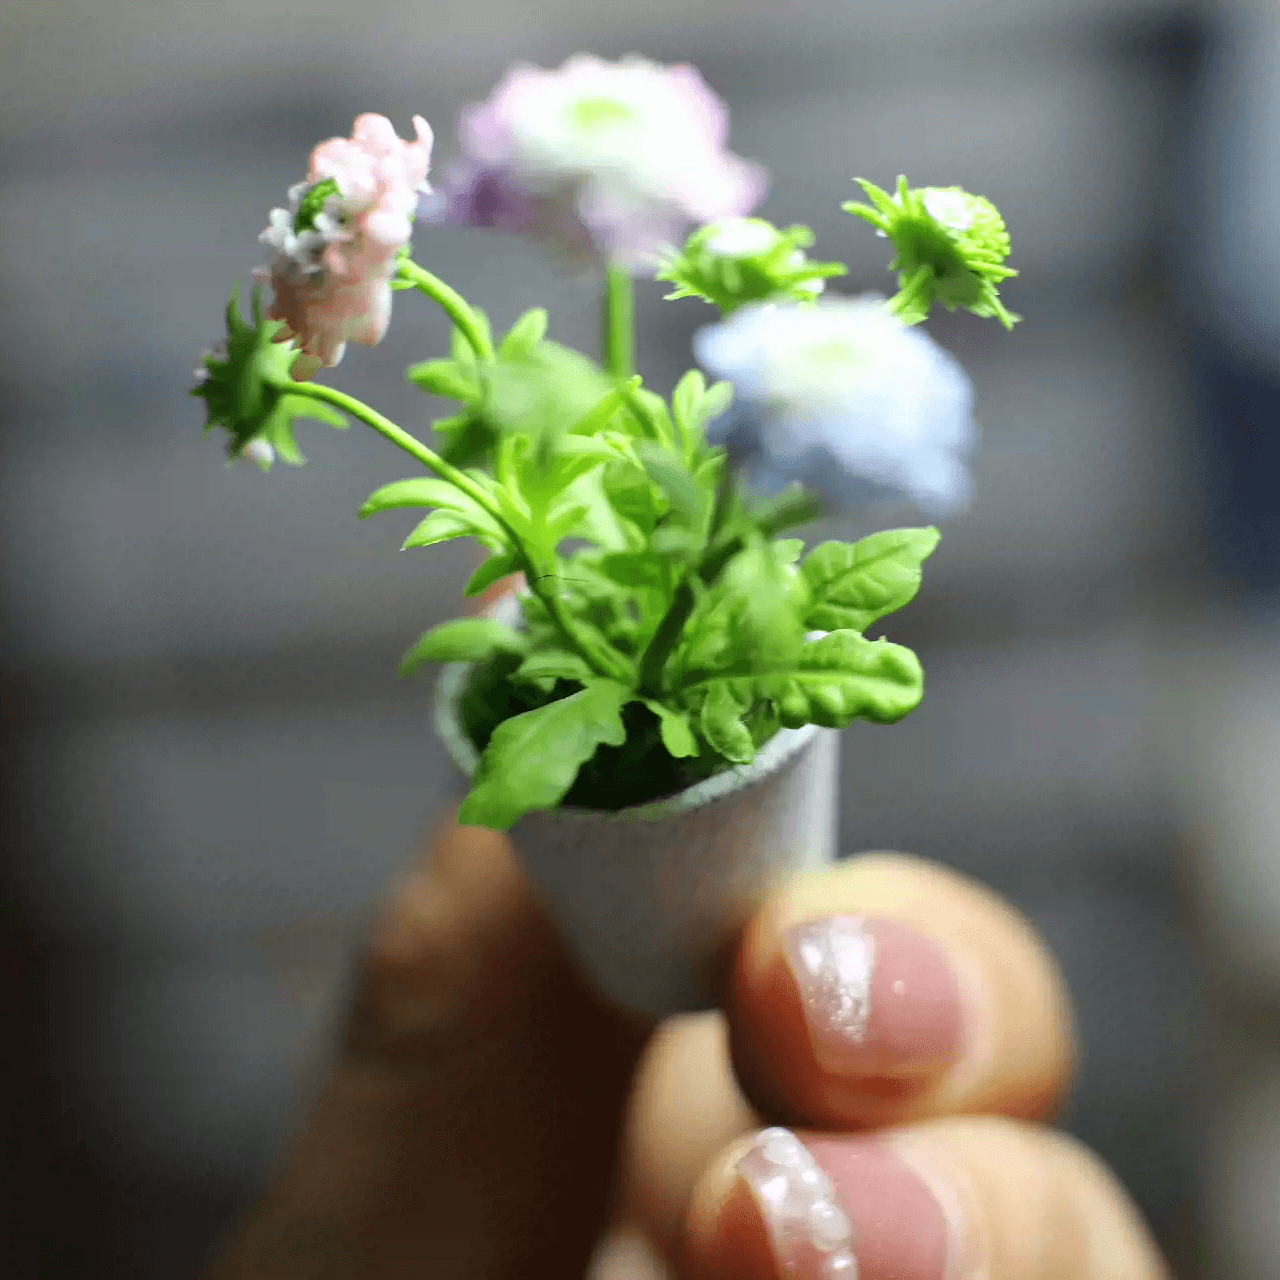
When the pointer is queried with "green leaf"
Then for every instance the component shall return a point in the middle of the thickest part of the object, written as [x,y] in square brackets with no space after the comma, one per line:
[833,681]
[602,412]
[854,584]
[721,724]
[525,334]
[418,492]
[439,526]
[533,758]
[453,379]
[677,733]
[494,569]
[634,569]
[667,470]
[788,550]
[463,640]
[429,492]
[694,404]
[553,665]
[793,506]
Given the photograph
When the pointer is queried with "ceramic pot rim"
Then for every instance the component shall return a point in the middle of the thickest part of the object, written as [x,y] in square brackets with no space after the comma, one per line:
[782,747]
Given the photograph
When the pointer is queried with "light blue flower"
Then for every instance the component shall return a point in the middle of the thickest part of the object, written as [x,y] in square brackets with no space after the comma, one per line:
[845,398]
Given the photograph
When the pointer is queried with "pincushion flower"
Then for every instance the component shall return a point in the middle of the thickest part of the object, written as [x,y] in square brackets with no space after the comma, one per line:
[739,260]
[845,398]
[334,250]
[607,158]
[951,245]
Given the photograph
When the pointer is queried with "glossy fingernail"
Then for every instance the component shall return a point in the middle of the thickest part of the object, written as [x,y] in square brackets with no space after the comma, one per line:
[845,1209]
[879,997]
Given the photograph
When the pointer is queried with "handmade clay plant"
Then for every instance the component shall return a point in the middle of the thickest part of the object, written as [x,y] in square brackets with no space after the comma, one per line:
[653,713]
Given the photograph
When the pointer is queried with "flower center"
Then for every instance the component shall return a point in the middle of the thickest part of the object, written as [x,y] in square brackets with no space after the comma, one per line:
[593,114]
[312,205]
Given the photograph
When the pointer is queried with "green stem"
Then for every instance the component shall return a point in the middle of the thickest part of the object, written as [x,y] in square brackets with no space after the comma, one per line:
[435,463]
[714,558]
[618,322]
[451,302]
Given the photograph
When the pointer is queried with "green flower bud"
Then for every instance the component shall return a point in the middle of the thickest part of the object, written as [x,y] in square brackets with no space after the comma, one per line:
[951,248]
[246,386]
[740,260]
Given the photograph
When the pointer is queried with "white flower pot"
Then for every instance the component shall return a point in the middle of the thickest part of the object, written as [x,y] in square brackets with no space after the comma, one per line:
[649,899]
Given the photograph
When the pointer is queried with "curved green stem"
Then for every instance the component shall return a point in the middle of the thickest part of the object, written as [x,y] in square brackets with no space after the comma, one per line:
[465,484]
[451,302]
[618,323]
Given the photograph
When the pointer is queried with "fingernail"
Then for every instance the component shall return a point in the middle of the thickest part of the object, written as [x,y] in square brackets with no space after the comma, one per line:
[845,1209]
[879,998]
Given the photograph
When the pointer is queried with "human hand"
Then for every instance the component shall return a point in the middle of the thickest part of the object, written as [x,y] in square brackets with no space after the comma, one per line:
[486,1116]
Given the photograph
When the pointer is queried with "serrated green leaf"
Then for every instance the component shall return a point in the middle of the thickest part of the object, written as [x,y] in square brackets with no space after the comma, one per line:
[793,506]
[694,405]
[686,401]
[602,412]
[525,334]
[788,550]
[650,412]
[553,665]
[532,759]
[634,569]
[854,584]
[677,732]
[429,492]
[721,723]
[667,470]
[833,681]
[565,520]
[454,379]
[421,491]
[439,526]
[493,570]
[463,640]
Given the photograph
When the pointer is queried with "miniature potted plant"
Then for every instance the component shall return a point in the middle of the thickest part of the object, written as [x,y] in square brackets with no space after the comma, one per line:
[653,713]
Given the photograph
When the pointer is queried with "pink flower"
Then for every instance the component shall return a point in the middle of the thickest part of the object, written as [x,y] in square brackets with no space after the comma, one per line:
[334,249]
[619,156]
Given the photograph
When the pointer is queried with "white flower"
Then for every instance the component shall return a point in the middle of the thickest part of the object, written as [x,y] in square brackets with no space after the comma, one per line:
[845,398]
[743,238]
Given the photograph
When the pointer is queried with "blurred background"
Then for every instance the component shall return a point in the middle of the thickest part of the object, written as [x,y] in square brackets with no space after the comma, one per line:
[210,768]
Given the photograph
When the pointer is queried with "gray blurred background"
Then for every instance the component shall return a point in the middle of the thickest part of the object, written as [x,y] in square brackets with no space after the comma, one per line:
[211,771]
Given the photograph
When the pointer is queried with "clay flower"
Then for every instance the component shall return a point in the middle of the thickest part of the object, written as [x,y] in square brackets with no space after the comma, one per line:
[845,398]
[740,260]
[334,250]
[951,245]
[598,158]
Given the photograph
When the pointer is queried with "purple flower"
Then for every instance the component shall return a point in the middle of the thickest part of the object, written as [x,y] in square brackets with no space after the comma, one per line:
[845,398]
[600,159]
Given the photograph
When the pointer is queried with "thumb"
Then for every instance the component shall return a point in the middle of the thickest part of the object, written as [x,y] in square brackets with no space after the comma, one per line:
[470,1124]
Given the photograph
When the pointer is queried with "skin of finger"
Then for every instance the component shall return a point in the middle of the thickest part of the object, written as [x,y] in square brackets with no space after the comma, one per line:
[471,1123]
[684,1107]
[1018,1053]
[1025,1201]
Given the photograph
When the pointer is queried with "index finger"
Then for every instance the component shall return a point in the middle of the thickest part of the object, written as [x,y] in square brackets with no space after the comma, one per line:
[888,989]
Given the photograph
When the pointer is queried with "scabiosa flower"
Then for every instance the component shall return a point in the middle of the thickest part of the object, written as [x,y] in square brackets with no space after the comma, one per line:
[600,158]
[334,250]
[951,248]
[845,398]
[739,260]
